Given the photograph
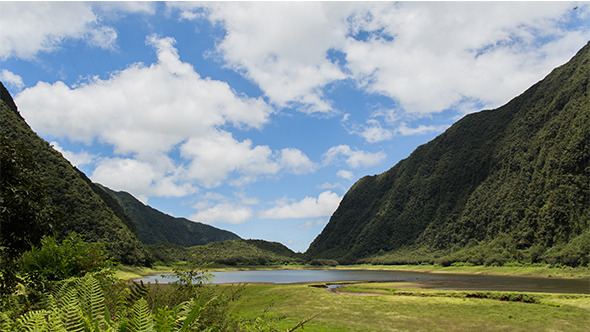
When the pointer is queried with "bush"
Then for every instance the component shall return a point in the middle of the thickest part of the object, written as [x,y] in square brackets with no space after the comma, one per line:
[53,261]
[323,262]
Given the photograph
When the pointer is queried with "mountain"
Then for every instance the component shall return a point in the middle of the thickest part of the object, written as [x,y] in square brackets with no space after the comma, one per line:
[510,184]
[231,252]
[39,186]
[154,226]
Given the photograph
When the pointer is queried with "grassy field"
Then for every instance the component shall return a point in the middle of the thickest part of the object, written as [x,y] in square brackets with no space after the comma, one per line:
[367,307]
[405,306]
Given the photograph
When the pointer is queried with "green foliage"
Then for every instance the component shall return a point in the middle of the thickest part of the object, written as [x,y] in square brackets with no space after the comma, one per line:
[154,226]
[72,257]
[499,186]
[232,252]
[86,304]
[323,262]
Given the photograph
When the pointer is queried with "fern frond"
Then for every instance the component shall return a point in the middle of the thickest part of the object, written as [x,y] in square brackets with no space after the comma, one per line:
[92,298]
[141,319]
[70,312]
[33,321]
[165,320]
[137,291]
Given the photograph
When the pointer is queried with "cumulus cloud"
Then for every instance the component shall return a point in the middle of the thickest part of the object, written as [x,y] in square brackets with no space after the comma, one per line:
[54,22]
[9,78]
[141,107]
[404,130]
[431,56]
[428,57]
[224,212]
[281,47]
[347,175]
[217,154]
[309,207]
[296,162]
[353,158]
[141,178]
[147,111]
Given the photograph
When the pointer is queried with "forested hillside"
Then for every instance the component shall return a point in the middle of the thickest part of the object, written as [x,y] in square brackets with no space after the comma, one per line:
[154,226]
[42,194]
[231,252]
[504,185]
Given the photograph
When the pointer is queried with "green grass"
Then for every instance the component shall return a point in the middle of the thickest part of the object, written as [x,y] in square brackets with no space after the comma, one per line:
[513,270]
[126,272]
[414,311]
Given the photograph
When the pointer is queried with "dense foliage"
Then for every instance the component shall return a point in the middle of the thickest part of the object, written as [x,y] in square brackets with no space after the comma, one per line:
[38,174]
[231,252]
[505,185]
[70,286]
[154,226]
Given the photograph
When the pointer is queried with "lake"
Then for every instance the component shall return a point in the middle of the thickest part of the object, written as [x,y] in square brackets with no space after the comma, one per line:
[425,280]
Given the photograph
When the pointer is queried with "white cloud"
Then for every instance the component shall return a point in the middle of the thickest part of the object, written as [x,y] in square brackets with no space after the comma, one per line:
[347,175]
[115,8]
[103,37]
[77,159]
[229,213]
[309,207]
[216,155]
[373,132]
[281,47]
[404,130]
[147,111]
[296,161]
[428,57]
[141,178]
[431,56]
[353,158]
[9,78]
[27,28]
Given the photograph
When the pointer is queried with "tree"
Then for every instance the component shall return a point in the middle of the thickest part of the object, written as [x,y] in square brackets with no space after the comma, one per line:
[25,211]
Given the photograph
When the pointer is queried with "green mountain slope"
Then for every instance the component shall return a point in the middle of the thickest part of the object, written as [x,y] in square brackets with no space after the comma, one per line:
[510,184]
[69,193]
[231,252]
[154,226]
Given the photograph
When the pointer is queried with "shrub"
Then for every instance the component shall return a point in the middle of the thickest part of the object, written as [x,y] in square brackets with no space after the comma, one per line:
[323,262]
[53,261]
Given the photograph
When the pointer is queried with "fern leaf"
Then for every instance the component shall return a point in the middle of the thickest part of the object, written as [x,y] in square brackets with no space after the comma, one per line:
[92,299]
[33,321]
[141,320]
[70,312]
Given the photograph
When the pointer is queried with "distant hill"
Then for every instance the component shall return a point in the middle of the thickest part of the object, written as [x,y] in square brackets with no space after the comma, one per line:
[74,202]
[504,185]
[232,252]
[154,226]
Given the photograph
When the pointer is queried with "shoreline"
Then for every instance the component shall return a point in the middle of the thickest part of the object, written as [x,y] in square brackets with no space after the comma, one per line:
[128,272]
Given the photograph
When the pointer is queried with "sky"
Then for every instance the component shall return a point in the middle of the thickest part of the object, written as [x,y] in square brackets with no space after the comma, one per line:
[257,117]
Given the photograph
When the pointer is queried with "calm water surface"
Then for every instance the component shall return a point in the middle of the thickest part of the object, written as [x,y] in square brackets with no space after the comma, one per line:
[426,280]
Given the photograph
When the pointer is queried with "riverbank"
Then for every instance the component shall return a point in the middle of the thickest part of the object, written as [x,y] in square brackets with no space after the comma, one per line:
[543,271]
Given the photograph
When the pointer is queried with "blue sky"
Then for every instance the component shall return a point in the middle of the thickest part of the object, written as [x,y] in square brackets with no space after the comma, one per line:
[258,117]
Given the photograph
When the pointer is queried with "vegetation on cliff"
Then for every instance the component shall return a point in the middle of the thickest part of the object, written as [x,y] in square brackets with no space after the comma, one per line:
[504,185]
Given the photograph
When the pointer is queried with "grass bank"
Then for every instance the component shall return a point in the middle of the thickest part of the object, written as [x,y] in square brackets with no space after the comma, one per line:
[385,308]
[544,271]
